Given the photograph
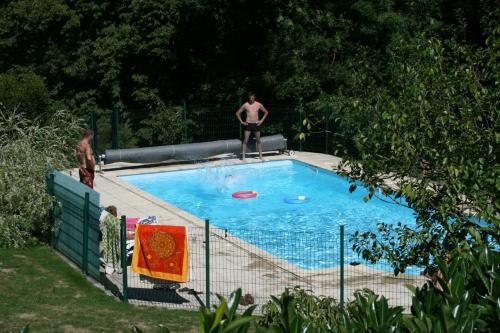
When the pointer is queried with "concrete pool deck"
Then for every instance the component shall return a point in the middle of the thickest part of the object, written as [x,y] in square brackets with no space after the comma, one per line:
[234,263]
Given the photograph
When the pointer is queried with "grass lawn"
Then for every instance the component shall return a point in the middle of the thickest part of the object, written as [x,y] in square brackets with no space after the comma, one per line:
[39,288]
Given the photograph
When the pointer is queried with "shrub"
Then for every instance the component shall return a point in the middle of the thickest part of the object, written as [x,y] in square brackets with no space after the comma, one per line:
[225,318]
[463,297]
[24,91]
[28,148]
[300,311]
[163,126]
[324,313]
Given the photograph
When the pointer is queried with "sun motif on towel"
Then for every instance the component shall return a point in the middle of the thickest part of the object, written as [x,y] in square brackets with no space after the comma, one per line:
[163,244]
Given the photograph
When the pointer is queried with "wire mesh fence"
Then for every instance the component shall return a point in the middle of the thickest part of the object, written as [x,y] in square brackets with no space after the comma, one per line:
[142,289]
[264,263]
[260,261]
[200,123]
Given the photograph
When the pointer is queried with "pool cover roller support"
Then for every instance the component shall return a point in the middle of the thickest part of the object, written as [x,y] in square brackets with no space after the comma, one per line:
[191,151]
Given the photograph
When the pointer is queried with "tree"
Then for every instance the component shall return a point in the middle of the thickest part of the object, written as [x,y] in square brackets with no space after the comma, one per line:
[430,141]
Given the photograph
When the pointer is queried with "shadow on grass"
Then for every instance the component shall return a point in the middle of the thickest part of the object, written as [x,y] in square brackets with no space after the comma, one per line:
[153,295]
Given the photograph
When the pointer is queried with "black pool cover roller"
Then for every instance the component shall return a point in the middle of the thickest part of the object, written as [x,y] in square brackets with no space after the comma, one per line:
[190,151]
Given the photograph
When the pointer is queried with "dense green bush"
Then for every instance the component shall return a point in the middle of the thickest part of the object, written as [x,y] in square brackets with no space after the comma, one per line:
[225,318]
[300,311]
[25,92]
[322,312]
[465,296]
[28,148]
[162,127]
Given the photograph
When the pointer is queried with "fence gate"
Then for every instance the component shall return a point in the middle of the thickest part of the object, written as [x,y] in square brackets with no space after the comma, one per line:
[75,227]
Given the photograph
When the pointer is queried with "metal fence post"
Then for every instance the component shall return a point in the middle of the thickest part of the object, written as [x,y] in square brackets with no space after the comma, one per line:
[93,127]
[341,265]
[86,216]
[207,263]
[52,217]
[241,128]
[123,256]
[326,129]
[300,129]
[184,119]
[115,123]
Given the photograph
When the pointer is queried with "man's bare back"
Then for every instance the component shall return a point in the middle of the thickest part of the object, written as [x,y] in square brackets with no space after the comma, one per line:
[85,156]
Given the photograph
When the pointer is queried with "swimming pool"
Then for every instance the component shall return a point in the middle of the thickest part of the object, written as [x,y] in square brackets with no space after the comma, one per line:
[304,234]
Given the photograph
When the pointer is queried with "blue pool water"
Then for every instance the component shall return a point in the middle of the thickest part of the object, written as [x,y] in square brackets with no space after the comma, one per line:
[306,235]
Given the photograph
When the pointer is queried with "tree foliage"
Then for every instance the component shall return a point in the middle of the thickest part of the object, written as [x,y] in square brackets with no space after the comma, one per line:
[431,136]
[99,54]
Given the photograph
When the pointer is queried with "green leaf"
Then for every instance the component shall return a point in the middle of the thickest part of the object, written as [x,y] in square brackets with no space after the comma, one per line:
[25,329]
[249,311]
[232,305]
[206,320]
[163,329]
[238,322]
[219,313]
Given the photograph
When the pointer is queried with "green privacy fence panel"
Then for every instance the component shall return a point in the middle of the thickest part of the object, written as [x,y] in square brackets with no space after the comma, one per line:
[76,222]
[93,242]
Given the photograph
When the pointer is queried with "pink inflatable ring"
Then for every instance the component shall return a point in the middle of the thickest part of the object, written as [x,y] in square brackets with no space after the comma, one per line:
[244,194]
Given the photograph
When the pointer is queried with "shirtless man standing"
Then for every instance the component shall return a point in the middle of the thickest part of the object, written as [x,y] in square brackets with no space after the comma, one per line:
[252,123]
[84,155]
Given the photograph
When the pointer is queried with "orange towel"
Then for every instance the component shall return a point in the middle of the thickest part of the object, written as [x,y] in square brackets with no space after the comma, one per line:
[161,252]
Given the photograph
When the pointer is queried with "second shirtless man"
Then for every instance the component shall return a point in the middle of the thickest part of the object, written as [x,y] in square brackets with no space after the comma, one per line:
[252,122]
[85,157]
